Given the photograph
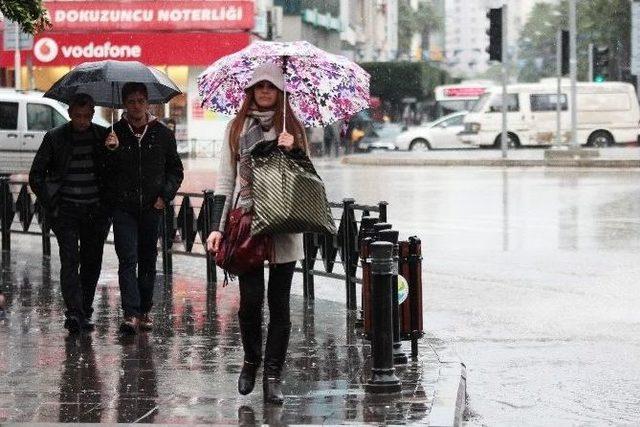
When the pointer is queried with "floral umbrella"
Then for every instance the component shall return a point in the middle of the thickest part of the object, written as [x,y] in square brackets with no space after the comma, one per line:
[322,88]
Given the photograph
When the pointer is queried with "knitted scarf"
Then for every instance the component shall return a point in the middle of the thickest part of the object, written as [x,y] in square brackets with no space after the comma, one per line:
[253,133]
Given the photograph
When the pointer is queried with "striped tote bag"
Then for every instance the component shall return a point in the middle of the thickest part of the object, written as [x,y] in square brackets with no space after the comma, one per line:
[288,196]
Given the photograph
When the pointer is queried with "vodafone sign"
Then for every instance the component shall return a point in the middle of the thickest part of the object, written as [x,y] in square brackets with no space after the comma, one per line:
[47,50]
[150,48]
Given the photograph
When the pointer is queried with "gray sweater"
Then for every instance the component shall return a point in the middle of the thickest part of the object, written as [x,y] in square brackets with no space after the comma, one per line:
[288,247]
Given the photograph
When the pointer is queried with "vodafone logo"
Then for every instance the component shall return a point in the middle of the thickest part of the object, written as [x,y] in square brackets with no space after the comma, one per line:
[45,49]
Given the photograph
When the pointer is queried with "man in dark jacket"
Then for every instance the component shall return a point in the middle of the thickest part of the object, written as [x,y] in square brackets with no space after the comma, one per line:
[145,173]
[66,176]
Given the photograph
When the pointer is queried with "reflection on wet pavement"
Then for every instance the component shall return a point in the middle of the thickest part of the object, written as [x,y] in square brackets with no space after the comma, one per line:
[185,371]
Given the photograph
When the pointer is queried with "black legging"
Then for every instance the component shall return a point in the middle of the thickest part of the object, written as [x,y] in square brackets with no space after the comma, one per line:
[252,294]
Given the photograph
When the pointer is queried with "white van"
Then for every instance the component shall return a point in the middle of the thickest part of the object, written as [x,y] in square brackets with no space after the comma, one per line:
[25,116]
[608,113]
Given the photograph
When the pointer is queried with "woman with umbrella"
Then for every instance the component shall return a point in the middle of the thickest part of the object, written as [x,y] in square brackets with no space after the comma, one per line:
[259,124]
[271,107]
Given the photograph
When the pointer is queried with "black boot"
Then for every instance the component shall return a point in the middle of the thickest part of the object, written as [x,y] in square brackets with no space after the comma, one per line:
[275,353]
[252,344]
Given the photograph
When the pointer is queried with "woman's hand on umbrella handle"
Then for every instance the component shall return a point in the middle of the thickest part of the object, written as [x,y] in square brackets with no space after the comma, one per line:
[213,242]
[285,140]
[112,141]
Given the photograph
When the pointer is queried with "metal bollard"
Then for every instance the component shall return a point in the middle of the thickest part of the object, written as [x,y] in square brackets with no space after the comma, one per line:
[415,293]
[46,233]
[378,227]
[207,205]
[391,236]
[364,239]
[308,285]
[366,285]
[167,259]
[7,202]
[383,375]
[411,320]
[347,251]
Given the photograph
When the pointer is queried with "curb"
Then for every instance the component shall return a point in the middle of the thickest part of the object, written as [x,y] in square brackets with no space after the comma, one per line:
[450,396]
[578,163]
[450,393]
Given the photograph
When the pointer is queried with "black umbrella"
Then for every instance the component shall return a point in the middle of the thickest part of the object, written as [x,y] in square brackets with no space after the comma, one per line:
[103,81]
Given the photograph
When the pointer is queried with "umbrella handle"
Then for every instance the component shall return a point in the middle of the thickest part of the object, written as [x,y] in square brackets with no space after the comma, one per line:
[284,112]
[112,103]
[284,106]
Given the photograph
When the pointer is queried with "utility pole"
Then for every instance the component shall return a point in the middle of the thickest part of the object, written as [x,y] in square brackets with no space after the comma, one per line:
[573,66]
[505,78]
[16,58]
[559,54]
[591,62]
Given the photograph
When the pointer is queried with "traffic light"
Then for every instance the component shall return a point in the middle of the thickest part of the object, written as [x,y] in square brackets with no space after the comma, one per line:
[495,34]
[564,69]
[600,64]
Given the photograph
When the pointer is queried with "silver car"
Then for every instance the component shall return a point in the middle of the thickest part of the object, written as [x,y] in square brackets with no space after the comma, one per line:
[440,133]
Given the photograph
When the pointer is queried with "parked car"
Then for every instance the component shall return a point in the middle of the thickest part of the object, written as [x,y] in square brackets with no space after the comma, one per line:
[380,136]
[25,116]
[441,133]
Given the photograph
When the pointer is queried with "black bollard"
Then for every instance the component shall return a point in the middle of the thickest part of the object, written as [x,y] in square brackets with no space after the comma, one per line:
[366,286]
[5,219]
[391,236]
[366,227]
[207,205]
[378,227]
[383,375]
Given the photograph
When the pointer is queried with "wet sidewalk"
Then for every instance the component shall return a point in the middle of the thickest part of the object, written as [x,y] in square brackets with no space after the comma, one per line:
[185,371]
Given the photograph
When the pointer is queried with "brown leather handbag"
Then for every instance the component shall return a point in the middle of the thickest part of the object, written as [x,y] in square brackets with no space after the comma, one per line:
[240,252]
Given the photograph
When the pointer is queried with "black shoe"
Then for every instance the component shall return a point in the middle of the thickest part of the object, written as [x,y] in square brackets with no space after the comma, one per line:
[145,322]
[73,324]
[272,390]
[251,334]
[247,379]
[88,325]
[129,325]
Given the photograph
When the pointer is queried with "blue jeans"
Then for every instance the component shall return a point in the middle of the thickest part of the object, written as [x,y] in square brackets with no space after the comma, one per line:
[136,240]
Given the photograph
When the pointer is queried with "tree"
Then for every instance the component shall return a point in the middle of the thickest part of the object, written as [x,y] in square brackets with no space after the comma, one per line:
[393,81]
[601,22]
[29,14]
[423,21]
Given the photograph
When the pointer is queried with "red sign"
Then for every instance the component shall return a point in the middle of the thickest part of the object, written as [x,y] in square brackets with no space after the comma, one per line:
[464,91]
[149,48]
[150,15]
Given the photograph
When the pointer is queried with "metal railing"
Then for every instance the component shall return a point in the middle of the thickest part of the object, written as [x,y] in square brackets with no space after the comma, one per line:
[185,226]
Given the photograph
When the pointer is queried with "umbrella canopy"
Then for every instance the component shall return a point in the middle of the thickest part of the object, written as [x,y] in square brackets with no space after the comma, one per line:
[322,88]
[103,81]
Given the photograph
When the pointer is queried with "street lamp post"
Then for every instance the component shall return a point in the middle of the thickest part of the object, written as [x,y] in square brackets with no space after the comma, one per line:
[573,70]
[559,87]
[505,77]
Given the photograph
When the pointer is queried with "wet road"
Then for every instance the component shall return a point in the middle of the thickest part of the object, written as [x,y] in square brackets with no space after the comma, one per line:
[533,274]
